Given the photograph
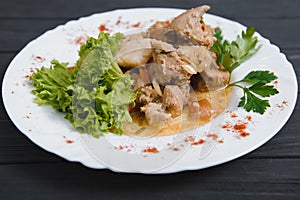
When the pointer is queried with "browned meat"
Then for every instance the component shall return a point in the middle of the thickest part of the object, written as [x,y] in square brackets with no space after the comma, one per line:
[155,113]
[198,56]
[168,60]
[160,24]
[135,51]
[148,94]
[161,46]
[210,79]
[174,98]
[165,75]
[190,24]
[170,36]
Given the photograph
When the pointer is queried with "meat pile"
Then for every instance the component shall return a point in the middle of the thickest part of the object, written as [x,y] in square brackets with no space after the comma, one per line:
[169,62]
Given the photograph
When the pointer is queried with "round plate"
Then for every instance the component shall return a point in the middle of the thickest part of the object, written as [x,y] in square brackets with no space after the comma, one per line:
[214,143]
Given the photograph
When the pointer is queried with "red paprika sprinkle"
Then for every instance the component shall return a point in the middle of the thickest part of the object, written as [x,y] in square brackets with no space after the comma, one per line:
[69,141]
[136,25]
[233,115]
[249,118]
[213,136]
[244,134]
[198,142]
[175,149]
[80,40]
[150,150]
[102,28]
[240,127]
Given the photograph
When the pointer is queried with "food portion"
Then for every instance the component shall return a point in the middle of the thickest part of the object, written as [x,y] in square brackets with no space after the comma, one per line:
[177,78]
[171,78]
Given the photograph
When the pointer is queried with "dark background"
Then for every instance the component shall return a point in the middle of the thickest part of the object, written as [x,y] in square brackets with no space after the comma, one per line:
[29,172]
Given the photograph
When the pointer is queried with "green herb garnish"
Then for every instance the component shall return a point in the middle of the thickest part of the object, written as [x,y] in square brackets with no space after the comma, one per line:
[257,86]
[95,94]
[231,55]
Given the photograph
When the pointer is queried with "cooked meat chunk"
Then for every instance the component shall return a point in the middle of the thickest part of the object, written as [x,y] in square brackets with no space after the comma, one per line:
[174,99]
[135,51]
[161,46]
[155,113]
[165,75]
[210,79]
[198,56]
[170,36]
[189,23]
[160,24]
[168,60]
[148,94]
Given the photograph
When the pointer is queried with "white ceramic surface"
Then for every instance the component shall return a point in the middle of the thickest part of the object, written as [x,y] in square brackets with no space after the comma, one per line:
[52,132]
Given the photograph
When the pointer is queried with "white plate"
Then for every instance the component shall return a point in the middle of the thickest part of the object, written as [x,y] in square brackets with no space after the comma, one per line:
[51,131]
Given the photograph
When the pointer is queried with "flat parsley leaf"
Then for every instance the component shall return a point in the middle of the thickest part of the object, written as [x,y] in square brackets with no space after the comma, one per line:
[257,82]
[244,47]
[250,102]
[231,55]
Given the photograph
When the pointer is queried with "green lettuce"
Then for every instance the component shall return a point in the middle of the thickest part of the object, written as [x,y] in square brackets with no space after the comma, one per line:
[95,94]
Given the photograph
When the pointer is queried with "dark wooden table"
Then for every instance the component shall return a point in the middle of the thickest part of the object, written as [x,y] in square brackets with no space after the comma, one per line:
[29,172]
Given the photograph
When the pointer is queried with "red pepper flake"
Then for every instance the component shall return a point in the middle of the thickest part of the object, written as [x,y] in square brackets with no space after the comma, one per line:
[198,142]
[249,118]
[189,139]
[27,117]
[213,136]
[244,134]
[220,141]
[69,141]
[31,70]
[233,115]
[151,150]
[227,126]
[27,77]
[102,28]
[136,25]
[118,20]
[282,105]
[239,127]
[176,149]
[39,58]
[80,40]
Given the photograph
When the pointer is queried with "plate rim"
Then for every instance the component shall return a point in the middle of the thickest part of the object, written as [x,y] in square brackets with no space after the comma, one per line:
[180,168]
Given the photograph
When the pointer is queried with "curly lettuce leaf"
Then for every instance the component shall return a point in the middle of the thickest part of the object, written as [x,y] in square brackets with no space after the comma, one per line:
[95,94]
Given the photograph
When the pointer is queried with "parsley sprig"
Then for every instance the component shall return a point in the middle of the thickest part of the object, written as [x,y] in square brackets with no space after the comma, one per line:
[256,84]
[231,55]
